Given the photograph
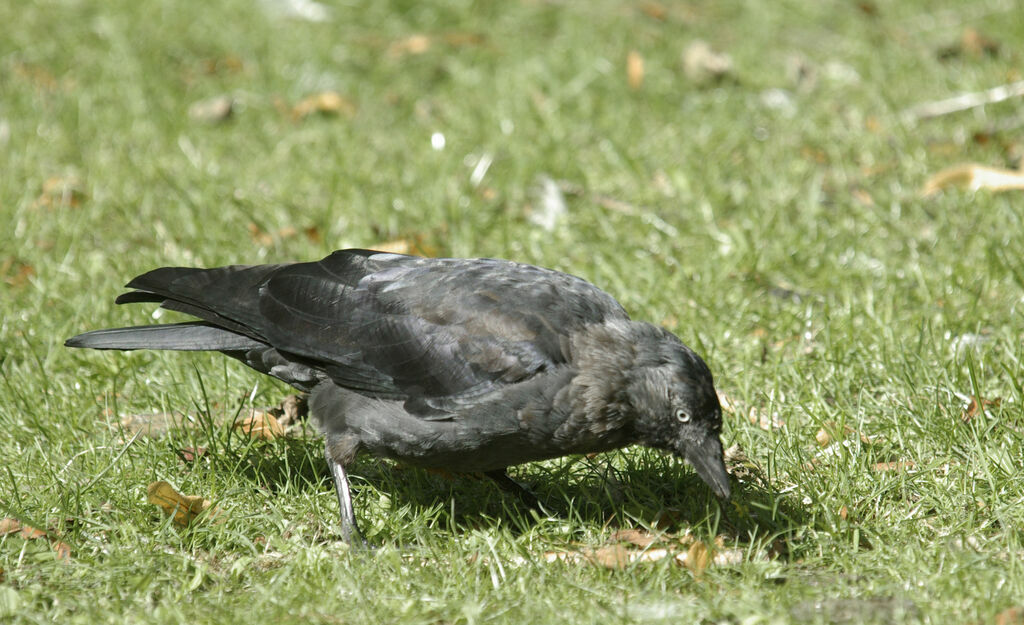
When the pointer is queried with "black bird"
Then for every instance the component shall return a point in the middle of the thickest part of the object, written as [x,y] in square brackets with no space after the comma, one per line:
[467,365]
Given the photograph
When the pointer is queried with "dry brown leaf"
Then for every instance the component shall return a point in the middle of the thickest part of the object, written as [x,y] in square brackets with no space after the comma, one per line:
[844,513]
[258,235]
[10,526]
[61,191]
[1011,616]
[31,533]
[654,10]
[868,8]
[896,465]
[634,69]
[324,103]
[291,410]
[612,556]
[640,538]
[62,550]
[184,508]
[191,454]
[728,403]
[698,556]
[978,405]
[260,424]
[16,272]
[313,234]
[413,44]
[974,177]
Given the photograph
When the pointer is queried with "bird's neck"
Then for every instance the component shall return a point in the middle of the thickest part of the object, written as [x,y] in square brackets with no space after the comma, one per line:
[599,411]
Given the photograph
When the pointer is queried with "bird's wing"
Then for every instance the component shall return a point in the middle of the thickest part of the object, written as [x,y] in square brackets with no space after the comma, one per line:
[428,331]
[427,328]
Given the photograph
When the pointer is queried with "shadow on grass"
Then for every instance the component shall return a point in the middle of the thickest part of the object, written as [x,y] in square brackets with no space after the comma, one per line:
[633,488]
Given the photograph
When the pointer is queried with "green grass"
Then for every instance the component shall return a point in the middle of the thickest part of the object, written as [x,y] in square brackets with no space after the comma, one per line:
[792,249]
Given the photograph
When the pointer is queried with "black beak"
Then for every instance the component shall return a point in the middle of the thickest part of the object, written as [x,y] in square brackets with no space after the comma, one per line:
[706,457]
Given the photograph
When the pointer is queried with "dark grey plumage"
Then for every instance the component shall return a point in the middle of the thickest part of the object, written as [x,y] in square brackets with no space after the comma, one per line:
[461,364]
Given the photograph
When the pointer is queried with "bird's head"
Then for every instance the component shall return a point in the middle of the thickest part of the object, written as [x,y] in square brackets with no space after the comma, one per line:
[676,408]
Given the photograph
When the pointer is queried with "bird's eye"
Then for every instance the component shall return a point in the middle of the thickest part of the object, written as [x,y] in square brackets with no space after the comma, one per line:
[682,416]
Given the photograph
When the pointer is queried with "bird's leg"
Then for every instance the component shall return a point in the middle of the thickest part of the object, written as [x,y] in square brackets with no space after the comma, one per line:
[509,485]
[349,530]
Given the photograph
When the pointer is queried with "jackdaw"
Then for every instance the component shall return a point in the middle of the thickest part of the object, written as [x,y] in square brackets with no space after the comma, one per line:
[466,365]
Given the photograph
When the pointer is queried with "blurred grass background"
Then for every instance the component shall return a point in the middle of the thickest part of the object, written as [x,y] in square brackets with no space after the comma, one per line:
[772,217]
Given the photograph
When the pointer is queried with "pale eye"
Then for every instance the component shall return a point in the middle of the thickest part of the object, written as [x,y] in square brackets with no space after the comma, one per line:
[682,416]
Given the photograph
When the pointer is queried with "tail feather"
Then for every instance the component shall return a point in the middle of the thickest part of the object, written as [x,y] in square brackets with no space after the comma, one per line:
[189,336]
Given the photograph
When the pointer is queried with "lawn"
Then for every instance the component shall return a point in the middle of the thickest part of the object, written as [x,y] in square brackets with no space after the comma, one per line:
[769,209]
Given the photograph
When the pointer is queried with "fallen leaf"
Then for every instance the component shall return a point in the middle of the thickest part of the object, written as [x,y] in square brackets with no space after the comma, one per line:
[974,177]
[62,550]
[212,110]
[31,533]
[896,465]
[634,69]
[978,405]
[640,538]
[702,64]
[413,44]
[260,424]
[612,556]
[313,234]
[191,454]
[1011,616]
[259,236]
[698,556]
[654,10]
[65,191]
[291,410]
[16,272]
[868,8]
[9,526]
[324,103]
[184,508]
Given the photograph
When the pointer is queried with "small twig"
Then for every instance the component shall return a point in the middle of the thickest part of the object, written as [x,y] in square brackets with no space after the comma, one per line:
[965,101]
